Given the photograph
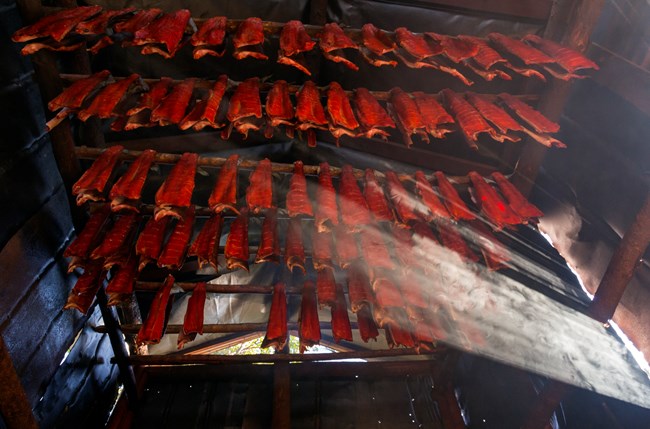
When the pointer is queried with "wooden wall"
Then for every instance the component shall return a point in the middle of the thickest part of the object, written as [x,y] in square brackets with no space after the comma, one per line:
[36,227]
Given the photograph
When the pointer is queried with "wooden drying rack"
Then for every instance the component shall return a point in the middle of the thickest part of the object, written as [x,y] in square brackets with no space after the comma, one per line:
[84,152]
[566,21]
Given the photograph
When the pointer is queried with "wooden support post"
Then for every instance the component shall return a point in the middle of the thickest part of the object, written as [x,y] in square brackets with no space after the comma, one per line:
[119,349]
[14,405]
[571,23]
[547,402]
[443,393]
[622,265]
[281,396]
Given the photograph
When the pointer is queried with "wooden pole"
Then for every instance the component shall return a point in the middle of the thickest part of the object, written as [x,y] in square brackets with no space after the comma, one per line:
[119,349]
[547,402]
[217,359]
[622,265]
[281,396]
[14,406]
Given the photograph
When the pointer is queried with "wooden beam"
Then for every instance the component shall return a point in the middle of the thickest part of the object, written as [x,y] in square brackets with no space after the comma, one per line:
[220,328]
[622,265]
[571,23]
[281,396]
[314,170]
[219,359]
[15,408]
[547,402]
[299,371]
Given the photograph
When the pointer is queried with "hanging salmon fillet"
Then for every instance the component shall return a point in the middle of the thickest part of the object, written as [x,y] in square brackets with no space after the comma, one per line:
[454,48]
[309,111]
[571,60]
[91,184]
[433,207]
[321,243]
[333,41]
[206,245]
[172,108]
[532,117]
[496,255]
[173,255]
[407,115]
[245,108]
[248,39]
[125,193]
[56,25]
[99,24]
[308,324]
[294,40]
[455,205]
[345,246]
[373,119]
[209,39]
[341,329]
[470,122]
[298,202]
[259,195]
[193,322]
[359,288]
[206,113]
[153,328]
[367,328]
[436,119]
[453,240]
[164,34]
[517,202]
[294,251]
[376,44]
[404,204]
[279,109]
[74,96]
[237,252]
[269,248]
[403,249]
[140,114]
[151,240]
[425,247]
[276,328]
[83,293]
[174,197]
[326,287]
[136,22]
[352,205]
[374,249]
[340,114]
[117,237]
[123,281]
[224,193]
[89,238]
[374,195]
[104,103]
[326,215]
[491,204]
